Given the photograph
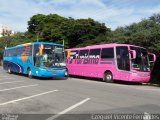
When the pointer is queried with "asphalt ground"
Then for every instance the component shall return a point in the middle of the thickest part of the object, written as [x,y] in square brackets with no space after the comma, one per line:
[74,98]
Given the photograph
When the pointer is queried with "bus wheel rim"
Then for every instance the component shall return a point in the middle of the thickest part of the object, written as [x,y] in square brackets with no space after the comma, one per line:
[29,73]
[9,70]
[108,77]
[66,73]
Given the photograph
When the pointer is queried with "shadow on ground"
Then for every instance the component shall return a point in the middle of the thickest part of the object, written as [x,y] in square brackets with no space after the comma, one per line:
[41,78]
[100,80]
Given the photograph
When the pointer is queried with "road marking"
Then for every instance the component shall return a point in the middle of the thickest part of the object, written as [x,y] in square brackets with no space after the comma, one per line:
[87,80]
[18,87]
[9,78]
[25,98]
[115,84]
[3,76]
[68,109]
[1,79]
[10,82]
[102,83]
[147,89]
[6,79]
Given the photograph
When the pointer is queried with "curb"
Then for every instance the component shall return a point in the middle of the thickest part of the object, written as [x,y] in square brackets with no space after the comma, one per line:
[151,84]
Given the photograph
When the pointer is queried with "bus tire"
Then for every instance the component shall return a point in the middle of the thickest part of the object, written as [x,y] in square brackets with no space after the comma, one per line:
[29,72]
[9,70]
[108,77]
[66,74]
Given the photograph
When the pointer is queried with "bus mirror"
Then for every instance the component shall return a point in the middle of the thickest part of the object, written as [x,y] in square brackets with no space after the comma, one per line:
[133,54]
[68,54]
[40,51]
[152,57]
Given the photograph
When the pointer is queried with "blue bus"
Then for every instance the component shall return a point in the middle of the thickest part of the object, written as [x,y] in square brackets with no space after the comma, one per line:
[41,59]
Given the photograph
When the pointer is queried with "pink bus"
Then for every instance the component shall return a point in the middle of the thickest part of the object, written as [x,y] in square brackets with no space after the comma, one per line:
[110,62]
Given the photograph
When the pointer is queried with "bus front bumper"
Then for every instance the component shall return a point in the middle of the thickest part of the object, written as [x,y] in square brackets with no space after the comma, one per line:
[140,77]
[55,73]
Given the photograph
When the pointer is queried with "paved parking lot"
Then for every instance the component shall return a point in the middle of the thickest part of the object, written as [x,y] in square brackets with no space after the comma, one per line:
[74,97]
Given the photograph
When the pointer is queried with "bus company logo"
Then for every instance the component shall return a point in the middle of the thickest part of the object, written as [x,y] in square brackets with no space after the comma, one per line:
[24,58]
[25,53]
[83,59]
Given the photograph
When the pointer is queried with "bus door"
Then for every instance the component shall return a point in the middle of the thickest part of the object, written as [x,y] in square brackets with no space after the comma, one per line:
[123,64]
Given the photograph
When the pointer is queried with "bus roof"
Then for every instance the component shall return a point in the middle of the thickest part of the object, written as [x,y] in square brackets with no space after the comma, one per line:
[103,45]
[50,43]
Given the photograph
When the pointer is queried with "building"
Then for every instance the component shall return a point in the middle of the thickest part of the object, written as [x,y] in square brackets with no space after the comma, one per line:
[5,31]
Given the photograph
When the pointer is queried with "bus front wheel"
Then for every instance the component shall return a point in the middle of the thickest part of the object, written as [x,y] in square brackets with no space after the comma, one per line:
[66,75]
[29,73]
[108,77]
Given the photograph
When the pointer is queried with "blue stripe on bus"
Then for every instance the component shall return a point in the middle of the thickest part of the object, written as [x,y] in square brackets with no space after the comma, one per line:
[13,66]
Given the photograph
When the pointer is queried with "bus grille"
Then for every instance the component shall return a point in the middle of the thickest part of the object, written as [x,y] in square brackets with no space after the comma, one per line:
[55,70]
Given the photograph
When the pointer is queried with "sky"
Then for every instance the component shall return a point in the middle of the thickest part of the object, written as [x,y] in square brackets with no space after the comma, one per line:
[114,13]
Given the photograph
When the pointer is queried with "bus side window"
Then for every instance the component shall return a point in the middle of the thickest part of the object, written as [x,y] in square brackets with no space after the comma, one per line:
[82,55]
[30,50]
[94,56]
[107,53]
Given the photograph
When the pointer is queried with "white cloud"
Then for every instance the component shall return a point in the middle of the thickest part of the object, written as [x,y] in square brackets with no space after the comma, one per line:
[114,13]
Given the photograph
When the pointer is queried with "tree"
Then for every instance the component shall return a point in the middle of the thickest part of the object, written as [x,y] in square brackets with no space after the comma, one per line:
[82,30]
[155,18]
[55,28]
[36,23]
[146,33]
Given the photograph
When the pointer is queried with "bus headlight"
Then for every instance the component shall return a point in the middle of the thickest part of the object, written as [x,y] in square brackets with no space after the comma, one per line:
[36,72]
[133,73]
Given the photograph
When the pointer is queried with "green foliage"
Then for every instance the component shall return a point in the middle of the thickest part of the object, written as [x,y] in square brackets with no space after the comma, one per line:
[145,33]
[35,23]
[18,38]
[83,32]
[55,28]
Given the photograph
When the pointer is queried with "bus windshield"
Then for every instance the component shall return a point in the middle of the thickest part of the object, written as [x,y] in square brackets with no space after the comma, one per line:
[51,56]
[141,62]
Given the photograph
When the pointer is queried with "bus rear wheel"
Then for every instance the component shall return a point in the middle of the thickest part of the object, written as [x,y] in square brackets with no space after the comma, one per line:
[9,70]
[108,77]
[30,73]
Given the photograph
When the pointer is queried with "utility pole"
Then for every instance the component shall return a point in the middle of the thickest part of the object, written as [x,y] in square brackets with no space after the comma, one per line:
[63,42]
[37,38]
[37,35]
